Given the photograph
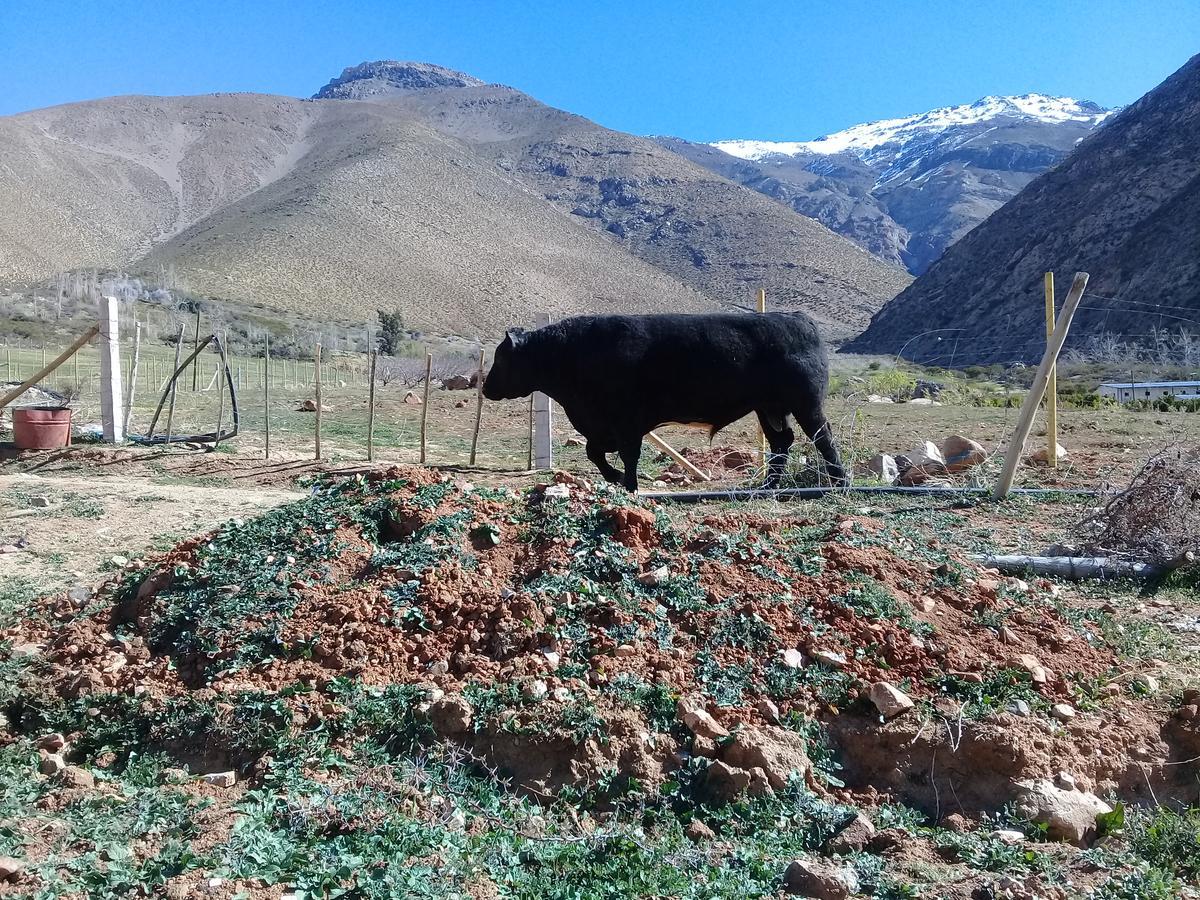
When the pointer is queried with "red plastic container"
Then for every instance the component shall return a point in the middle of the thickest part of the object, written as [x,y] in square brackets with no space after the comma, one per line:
[41,427]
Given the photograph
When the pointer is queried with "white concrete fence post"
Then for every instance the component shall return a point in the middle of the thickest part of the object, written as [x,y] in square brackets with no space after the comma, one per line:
[543,419]
[110,371]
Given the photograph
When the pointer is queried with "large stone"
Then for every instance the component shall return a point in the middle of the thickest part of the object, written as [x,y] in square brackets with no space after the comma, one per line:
[883,467]
[1067,815]
[220,779]
[456,383]
[961,453]
[1030,663]
[1042,455]
[808,878]
[889,699]
[50,763]
[74,776]
[723,782]
[853,837]
[451,715]
[925,462]
[52,743]
[778,752]
[10,868]
[692,713]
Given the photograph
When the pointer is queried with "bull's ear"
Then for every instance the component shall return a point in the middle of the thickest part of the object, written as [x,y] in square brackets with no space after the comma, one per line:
[515,336]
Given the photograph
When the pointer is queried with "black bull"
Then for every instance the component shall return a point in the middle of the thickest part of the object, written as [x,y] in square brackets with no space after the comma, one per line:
[619,377]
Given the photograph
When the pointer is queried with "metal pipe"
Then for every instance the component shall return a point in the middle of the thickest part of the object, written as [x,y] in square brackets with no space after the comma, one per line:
[814,493]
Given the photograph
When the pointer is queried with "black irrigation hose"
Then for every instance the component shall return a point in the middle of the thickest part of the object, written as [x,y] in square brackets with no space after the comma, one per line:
[813,493]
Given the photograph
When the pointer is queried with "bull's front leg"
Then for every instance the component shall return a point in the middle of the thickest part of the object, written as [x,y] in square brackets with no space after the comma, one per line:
[607,470]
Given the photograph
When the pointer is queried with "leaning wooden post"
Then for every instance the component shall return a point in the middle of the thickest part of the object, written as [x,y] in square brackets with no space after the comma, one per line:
[683,461]
[317,392]
[478,406]
[1052,384]
[130,392]
[50,367]
[267,395]
[1016,444]
[425,403]
[110,371]
[371,412]
[174,382]
[221,397]
[543,419]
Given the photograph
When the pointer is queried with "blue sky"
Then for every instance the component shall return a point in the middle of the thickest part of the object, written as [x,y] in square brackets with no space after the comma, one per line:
[700,70]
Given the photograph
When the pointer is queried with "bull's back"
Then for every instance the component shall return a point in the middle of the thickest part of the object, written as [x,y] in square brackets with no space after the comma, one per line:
[709,369]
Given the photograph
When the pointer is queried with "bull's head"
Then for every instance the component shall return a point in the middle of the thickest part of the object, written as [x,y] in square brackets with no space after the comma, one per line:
[512,374]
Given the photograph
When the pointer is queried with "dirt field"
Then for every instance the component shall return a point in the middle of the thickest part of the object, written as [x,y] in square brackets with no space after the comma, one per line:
[453,682]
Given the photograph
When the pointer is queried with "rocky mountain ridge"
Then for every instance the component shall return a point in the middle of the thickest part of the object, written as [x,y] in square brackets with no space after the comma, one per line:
[1122,207]
[907,188]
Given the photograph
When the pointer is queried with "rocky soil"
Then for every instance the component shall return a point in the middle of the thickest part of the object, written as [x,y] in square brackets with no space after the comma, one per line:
[409,685]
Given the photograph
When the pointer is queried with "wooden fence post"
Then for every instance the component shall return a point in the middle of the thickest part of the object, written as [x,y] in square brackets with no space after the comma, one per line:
[543,420]
[371,412]
[196,362]
[317,391]
[1052,384]
[425,403]
[110,371]
[131,391]
[1016,444]
[478,407]
[267,395]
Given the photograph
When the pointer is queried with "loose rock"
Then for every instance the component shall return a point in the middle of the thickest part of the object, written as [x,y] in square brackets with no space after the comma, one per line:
[451,715]
[220,779]
[1063,712]
[889,699]
[808,878]
[692,713]
[857,833]
[778,752]
[10,868]
[1068,815]
[961,453]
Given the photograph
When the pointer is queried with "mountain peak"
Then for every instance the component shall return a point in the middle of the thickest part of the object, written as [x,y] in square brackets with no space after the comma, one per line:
[866,140]
[372,80]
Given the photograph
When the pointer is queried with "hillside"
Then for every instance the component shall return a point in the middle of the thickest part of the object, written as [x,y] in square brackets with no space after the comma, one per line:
[907,188]
[1122,207]
[469,206]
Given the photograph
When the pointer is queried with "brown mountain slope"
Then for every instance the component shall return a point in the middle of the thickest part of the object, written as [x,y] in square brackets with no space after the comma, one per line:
[713,235]
[469,206]
[1122,207]
[98,183]
[384,212]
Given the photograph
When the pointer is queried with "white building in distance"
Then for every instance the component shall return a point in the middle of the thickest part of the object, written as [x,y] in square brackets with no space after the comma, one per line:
[1132,391]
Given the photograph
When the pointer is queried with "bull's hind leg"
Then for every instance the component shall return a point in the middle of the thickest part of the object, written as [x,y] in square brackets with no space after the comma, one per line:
[631,454]
[779,439]
[816,426]
[610,474]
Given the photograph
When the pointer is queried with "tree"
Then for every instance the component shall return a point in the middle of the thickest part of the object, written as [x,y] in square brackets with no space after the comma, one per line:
[391,331]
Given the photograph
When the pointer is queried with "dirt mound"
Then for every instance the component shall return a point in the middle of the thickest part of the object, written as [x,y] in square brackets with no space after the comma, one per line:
[571,618]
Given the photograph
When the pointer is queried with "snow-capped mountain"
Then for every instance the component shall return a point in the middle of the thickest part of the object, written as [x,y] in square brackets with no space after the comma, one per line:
[872,140]
[906,188]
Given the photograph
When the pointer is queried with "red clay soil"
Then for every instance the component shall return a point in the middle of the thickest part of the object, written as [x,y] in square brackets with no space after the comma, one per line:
[482,624]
